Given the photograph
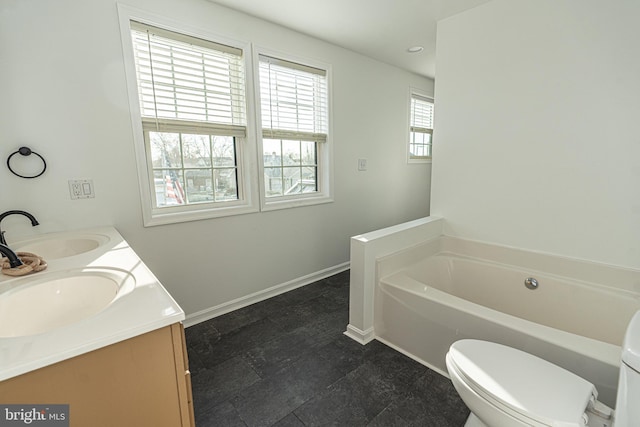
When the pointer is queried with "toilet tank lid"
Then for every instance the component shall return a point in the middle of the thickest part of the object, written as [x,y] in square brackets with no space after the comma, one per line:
[523,383]
[631,344]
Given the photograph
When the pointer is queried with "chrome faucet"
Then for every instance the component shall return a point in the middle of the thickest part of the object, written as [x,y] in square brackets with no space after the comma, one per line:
[14,261]
[3,215]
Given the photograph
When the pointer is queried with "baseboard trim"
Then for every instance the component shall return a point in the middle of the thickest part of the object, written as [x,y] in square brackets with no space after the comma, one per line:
[219,310]
[358,335]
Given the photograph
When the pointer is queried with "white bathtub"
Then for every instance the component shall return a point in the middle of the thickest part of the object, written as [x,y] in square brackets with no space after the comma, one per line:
[447,289]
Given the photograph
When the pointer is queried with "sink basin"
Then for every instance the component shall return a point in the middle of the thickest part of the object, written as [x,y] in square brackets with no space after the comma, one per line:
[64,246]
[49,301]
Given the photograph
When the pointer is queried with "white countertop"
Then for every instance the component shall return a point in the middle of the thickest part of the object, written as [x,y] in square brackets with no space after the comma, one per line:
[136,310]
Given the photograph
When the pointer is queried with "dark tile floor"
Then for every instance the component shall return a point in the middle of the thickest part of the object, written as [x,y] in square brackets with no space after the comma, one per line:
[285,362]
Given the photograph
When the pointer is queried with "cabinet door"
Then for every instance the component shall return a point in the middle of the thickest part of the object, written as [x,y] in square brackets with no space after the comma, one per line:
[137,382]
[183,375]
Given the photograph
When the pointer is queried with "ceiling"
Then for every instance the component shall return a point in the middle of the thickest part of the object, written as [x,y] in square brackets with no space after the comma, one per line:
[380,29]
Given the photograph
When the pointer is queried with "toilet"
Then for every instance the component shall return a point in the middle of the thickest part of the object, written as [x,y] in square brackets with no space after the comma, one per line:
[505,387]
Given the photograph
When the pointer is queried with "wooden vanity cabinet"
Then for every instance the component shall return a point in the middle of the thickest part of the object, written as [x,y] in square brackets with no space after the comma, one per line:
[139,382]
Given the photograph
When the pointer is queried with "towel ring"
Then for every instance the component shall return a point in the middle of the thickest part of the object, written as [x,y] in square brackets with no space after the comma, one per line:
[26,151]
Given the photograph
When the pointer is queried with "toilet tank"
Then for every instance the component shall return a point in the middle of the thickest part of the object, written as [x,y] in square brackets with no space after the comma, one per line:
[627,408]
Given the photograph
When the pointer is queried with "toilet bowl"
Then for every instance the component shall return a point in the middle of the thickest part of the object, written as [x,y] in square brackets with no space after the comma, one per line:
[506,387]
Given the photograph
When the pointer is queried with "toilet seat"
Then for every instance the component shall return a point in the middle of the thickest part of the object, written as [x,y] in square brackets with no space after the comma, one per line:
[524,386]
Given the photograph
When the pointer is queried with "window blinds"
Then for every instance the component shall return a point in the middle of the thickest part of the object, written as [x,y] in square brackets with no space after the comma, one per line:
[421,113]
[183,78]
[293,100]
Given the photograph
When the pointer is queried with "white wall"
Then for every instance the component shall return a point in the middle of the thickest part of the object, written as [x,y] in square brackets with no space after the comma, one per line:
[537,142]
[64,95]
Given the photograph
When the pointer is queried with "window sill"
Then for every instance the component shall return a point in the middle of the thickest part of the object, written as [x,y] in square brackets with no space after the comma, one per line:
[272,205]
[418,161]
[164,218]
[161,217]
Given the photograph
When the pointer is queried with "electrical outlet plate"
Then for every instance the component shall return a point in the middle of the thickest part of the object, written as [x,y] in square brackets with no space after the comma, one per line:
[81,189]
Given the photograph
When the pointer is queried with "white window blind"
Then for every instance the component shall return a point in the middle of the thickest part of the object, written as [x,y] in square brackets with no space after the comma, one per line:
[421,113]
[293,100]
[183,78]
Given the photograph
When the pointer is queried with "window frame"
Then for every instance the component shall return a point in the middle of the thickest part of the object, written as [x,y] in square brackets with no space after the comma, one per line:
[324,150]
[418,94]
[245,146]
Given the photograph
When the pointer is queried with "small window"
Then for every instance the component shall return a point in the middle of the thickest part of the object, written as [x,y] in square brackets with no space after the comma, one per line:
[191,95]
[421,127]
[294,108]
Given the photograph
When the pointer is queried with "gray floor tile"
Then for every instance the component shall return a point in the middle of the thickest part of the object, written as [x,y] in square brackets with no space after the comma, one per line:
[221,382]
[276,354]
[289,421]
[216,349]
[346,403]
[292,316]
[388,418]
[223,415]
[434,402]
[272,398]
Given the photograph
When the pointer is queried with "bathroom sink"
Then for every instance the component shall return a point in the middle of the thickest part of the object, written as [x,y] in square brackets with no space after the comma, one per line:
[42,303]
[55,247]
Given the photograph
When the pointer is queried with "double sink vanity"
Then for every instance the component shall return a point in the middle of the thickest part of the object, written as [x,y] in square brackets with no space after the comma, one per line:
[97,331]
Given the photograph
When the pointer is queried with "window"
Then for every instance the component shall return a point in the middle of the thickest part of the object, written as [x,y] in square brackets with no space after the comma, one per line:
[421,127]
[205,146]
[191,97]
[294,109]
